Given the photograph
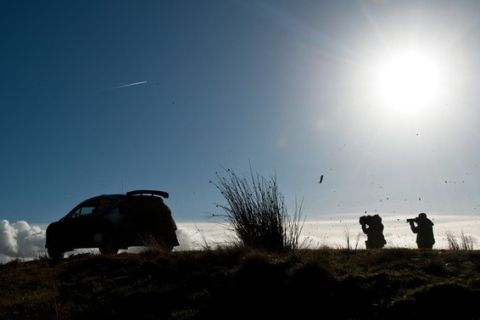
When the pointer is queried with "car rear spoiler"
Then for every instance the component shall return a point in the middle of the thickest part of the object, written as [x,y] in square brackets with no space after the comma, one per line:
[162,194]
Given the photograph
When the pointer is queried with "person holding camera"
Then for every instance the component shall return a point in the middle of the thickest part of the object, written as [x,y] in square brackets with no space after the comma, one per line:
[423,227]
[372,226]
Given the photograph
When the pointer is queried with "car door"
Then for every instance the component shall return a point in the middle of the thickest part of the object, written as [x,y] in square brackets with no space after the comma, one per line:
[103,220]
[78,225]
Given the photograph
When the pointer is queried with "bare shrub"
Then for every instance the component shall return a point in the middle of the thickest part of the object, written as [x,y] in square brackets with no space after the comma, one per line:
[153,244]
[466,242]
[357,240]
[346,232]
[292,227]
[452,241]
[256,210]
[350,241]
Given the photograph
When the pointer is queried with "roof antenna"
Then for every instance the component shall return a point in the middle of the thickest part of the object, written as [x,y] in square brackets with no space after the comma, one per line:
[123,191]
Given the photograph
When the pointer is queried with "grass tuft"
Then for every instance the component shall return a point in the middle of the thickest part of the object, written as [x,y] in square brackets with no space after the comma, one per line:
[257,211]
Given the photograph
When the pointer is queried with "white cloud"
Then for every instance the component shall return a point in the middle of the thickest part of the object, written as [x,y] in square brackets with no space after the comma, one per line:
[4,258]
[30,239]
[8,241]
[20,240]
[198,236]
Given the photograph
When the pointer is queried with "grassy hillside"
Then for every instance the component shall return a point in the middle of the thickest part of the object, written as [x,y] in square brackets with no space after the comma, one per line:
[236,284]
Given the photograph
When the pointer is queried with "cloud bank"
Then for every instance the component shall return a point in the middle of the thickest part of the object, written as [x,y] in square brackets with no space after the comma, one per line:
[21,240]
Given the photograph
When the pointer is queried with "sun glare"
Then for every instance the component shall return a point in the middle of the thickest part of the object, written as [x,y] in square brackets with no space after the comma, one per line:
[408,82]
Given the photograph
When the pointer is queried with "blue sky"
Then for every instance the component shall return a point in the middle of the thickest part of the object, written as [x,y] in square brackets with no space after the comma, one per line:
[282,85]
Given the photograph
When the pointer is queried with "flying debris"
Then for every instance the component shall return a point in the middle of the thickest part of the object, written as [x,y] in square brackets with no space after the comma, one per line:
[321,179]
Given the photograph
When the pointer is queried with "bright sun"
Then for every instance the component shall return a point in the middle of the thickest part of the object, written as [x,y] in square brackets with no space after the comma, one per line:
[409,82]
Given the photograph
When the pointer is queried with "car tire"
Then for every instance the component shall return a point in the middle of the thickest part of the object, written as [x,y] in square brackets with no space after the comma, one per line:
[165,247]
[55,253]
[108,248]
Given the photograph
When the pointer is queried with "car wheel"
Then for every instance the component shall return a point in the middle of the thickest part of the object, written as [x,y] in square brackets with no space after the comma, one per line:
[168,248]
[108,248]
[165,247]
[55,253]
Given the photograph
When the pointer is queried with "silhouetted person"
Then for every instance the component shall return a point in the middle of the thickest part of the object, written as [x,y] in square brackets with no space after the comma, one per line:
[372,226]
[423,227]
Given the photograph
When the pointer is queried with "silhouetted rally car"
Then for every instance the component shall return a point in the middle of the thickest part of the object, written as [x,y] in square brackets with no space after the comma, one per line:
[112,222]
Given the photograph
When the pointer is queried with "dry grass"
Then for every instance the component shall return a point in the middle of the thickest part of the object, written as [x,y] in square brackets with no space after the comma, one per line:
[351,243]
[463,242]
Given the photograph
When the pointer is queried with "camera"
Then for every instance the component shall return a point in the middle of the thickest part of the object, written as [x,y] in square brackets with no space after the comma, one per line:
[412,220]
[365,220]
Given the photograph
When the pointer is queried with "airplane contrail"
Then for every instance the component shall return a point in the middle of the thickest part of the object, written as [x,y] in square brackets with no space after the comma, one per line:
[130,85]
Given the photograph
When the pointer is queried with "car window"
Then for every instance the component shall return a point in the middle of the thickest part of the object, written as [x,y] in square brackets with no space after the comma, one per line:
[83,211]
[93,206]
[86,208]
[104,204]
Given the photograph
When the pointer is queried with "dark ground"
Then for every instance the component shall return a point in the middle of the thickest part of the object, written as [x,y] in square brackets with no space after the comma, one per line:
[241,284]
